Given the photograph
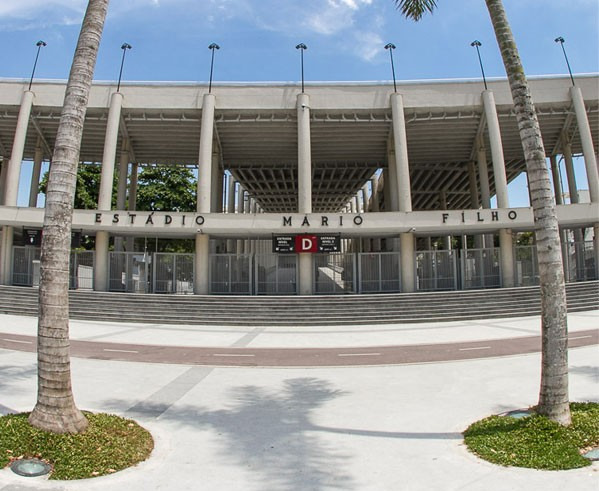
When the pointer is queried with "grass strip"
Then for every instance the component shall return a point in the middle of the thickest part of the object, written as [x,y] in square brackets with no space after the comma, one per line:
[109,444]
[535,441]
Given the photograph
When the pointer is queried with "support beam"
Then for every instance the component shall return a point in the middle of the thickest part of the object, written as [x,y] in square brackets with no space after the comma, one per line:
[304,191]
[35,175]
[204,200]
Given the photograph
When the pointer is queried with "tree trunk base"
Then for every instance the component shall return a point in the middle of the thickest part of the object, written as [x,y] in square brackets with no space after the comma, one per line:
[58,420]
[560,413]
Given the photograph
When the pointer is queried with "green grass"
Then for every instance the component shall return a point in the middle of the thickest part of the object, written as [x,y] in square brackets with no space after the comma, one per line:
[534,441]
[109,444]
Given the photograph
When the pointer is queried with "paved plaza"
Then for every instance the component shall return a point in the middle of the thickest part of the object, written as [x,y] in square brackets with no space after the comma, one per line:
[384,427]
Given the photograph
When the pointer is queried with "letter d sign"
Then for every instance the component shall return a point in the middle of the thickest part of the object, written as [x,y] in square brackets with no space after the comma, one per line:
[306,243]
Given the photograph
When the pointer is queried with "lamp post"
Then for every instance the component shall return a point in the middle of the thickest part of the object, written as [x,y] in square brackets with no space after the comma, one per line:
[561,40]
[478,44]
[302,47]
[391,47]
[212,47]
[39,45]
[124,47]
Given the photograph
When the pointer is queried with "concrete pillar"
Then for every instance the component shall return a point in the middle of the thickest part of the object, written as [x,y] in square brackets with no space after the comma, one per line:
[231,208]
[483,174]
[121,195]
[408,267]
[240,192]
[557,184]
[204,199]
[304,188]
[386,185]
[474,203]
[571,176]
[374,183]
[590,159]
[3,170]
[404,192]
[496,149]
[13,171]
[11,183]
[400,144]
[505,236]
[101,269]
[443,201]
[35,175]
[217,182]
[132,202]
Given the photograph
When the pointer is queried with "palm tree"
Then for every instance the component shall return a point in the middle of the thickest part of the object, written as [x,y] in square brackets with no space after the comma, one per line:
[55,409]
[553,395]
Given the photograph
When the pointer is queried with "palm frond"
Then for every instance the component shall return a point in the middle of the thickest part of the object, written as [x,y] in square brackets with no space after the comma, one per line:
[415,9]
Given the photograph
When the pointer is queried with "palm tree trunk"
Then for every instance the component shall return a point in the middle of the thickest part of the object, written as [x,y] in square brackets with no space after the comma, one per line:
[553,397]
[55,409]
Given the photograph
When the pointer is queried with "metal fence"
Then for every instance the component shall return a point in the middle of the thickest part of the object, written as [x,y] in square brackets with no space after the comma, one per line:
[276,274]
[129,272]
[436,270]
[173,273]
[379,272]
[580,262]
[231,274]
[334,273]
[81,270]
[480,268]
[26,266]
[527,265]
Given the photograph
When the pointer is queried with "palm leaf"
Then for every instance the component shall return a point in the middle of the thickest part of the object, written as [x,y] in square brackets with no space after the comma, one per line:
[415,9]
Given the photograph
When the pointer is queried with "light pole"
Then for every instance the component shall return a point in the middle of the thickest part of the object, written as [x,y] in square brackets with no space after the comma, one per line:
[561,40]
[302,47]
[39,45]
[124,47]
[212,47]
[391,47]
[478,44]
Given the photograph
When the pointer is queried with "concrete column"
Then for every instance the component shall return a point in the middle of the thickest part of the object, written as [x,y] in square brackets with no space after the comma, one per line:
[408,266]
[483,174]
[13,171]
[404,192]
[374,182]
[474,203]
[443,201]
[304,155]
[240,192]
[304,191]
[400,144]
[105,193]
[11,183]
[571,176]
[35,175]
[217,182]
[590,159]
[231,207]
[496,149]
[204,199]
[132,203]
[557,184]
[386,185]
[121,195]
[505,236]
[3,170]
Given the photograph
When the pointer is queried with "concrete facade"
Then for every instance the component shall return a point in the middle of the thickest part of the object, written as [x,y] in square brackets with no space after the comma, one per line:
[386,172]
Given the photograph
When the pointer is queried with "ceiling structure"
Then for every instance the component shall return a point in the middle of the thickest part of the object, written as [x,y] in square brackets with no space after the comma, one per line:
[349,139]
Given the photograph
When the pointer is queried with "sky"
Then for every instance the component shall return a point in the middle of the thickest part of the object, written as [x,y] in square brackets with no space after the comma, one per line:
[257,39]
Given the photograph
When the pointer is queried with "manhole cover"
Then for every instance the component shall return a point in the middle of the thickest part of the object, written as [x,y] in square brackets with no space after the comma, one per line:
[519,413]
[592,454]
[30,467]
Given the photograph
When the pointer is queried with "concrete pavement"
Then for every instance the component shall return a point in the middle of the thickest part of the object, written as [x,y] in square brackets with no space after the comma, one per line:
[344,428]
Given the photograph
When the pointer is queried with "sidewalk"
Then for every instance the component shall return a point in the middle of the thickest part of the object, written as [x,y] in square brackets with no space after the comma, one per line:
[364,428]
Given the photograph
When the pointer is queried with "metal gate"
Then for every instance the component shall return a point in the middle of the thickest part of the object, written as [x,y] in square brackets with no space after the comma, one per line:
[527,266]
[26,266]
[379,272]
[276,274]
[580,261]
[334,273]
[129,272]
[173,273]
[480,268]
[81,270]
[436,270]
[231,274]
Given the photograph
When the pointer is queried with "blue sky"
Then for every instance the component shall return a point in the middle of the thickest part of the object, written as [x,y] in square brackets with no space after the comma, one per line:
[345,39]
